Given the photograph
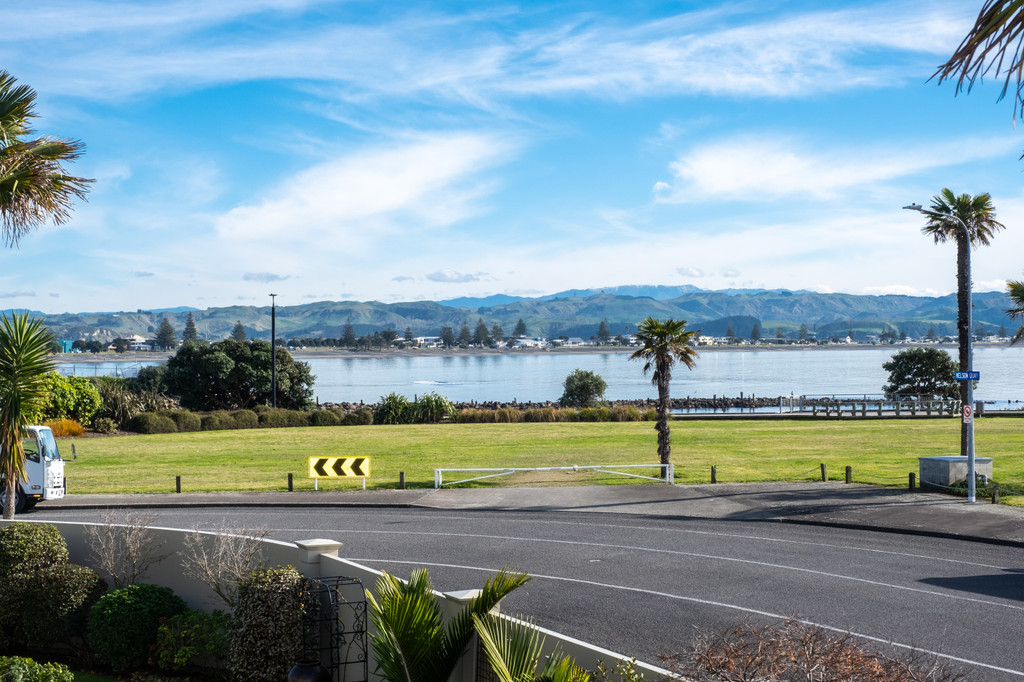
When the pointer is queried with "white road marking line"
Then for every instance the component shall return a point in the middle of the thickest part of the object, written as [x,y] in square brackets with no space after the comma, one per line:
[707,602]
[698,555]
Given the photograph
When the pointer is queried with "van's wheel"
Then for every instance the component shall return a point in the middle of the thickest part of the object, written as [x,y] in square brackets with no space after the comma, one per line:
[19,499]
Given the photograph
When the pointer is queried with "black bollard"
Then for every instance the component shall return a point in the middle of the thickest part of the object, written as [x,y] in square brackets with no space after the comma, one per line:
[177,484]
[849,474]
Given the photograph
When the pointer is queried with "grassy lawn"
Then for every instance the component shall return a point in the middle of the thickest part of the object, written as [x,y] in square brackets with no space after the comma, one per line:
[881,452]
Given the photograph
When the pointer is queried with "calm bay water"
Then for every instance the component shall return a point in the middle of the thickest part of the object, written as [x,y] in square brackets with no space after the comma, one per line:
[538,376]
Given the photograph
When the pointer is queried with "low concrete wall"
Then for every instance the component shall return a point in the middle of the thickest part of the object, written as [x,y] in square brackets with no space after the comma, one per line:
[946,471]
[318,558]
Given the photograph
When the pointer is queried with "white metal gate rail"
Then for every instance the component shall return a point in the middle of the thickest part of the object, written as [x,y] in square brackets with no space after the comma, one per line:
[603,468]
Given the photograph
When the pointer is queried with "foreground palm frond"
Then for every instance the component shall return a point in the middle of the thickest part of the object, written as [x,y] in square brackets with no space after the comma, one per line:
[413,643]
[514,648]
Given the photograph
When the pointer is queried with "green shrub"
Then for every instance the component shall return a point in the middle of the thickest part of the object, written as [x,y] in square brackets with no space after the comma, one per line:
[26,547]
[120,404]
[185,421]
[650,415]
[245,419]
[123,624]
[273,418]
[393,409]
[104,425]
[151,422]
[626,413]
[267,637]
[297,418]
[361,417]
[59,598]
[17,669]
[323,418]
[211,422]
[432,408]
[189,636]
[69,398]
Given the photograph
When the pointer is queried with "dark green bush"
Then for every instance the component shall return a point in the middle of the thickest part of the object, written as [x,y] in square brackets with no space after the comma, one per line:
[432,408]
[19,669]
[267,637]
[151,422]
[123,624]
[27,547]
[393,408]
[279,418]
[59,598]
[323,418]
[361,417]
[185,421]
[297,418]
[190,636]
[245,419]
[650,415]
[218,420]
[104,425]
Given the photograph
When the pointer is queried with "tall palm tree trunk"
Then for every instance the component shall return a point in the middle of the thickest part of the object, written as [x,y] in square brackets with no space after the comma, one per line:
[963,326]
[664,435]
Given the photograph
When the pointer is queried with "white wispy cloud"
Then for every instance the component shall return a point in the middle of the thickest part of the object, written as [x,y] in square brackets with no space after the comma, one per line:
[188,44]
[759,168]
[427,182]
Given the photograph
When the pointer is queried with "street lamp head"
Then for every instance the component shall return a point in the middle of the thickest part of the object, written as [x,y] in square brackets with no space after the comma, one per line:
[914,207]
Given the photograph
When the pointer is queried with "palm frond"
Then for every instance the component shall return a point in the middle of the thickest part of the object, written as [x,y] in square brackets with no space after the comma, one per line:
[995,40]
[512,648]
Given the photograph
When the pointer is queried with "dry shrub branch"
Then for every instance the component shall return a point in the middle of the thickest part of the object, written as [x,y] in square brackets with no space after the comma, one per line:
[224,558]
[797,652]
[124,545]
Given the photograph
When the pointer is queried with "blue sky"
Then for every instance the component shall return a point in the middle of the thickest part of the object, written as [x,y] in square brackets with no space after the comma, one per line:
[327,150]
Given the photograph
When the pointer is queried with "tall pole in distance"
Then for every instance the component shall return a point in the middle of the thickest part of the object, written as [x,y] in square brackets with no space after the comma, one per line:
[968,409]
[273,350]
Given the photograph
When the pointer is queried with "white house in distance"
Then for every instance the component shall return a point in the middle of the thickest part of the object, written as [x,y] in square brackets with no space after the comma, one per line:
[523,342]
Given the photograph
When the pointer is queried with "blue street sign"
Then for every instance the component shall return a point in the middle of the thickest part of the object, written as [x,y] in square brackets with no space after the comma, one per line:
[967,376]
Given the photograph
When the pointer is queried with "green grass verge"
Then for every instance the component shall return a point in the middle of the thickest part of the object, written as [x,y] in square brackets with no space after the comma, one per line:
[881,452]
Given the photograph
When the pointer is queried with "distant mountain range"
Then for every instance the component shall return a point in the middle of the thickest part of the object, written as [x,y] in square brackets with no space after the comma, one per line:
[576,312]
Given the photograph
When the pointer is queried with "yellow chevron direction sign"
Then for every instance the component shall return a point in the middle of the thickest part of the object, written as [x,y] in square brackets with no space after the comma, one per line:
[339,467]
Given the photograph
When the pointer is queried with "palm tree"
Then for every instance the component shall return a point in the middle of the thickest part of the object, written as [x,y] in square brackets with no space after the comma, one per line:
[978,214]
[1016,292]
[24,363]
[413,643]
[993,42]
[513,649]
[33,185]
[663,344]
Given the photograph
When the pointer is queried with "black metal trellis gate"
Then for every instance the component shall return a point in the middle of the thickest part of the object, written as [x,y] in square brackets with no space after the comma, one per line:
[336,634]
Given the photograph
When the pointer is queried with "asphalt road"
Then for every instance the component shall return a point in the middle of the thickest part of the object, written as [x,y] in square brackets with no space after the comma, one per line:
[640,584]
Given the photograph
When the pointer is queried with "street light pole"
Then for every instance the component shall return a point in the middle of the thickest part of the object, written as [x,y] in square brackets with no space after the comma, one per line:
[273,350]
[968,411]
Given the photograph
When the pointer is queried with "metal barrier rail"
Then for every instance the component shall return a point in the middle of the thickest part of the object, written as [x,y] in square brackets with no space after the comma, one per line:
[603,468]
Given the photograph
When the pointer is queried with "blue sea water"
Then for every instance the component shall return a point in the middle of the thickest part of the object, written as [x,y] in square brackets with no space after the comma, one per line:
[526,377]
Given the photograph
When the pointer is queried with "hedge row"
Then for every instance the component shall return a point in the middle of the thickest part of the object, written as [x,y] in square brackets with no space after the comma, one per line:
[511,415]
[183,421]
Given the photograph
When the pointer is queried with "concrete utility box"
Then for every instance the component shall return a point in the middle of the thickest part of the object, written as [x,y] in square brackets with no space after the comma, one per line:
[946,471]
